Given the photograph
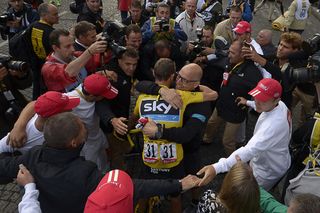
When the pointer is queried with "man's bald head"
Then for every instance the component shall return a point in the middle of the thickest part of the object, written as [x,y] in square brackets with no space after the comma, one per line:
[193,70]
[189,77]
[264,37]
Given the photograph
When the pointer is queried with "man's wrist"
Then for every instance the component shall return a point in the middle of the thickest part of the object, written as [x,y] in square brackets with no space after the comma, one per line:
[159,132]
[110,120]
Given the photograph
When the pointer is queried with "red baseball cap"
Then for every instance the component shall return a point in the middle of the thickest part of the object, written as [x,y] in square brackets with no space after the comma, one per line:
[99,85]
[52,103]
[266,89]
[113,194]
[242,27]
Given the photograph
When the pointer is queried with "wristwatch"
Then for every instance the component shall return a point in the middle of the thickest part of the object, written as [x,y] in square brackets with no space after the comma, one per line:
[159,133]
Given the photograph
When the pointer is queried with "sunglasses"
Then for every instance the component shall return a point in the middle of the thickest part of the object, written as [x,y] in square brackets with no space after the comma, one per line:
[184,80]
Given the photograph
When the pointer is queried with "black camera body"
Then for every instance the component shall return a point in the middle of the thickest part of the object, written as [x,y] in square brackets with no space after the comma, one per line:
[112,33]
[4,18]
[198,45]
[311,73]
[14,108]
[163,24]
[9,63]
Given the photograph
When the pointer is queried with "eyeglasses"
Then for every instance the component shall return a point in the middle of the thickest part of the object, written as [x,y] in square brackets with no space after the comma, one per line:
[183,80]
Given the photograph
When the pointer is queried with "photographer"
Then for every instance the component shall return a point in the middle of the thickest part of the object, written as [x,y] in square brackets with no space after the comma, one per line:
[91,12]
[215,64]
[19,16]
[189,20]
[200,49]
[162,27]
[281,70]
[11,100]
[65,69]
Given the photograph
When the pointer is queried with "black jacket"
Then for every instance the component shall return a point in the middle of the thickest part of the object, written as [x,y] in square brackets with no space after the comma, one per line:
[95,18]
[119,106]
[241,81]
[129,21]
[63,178]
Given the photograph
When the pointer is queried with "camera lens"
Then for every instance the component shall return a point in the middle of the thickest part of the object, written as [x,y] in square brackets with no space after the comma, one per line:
[18,65]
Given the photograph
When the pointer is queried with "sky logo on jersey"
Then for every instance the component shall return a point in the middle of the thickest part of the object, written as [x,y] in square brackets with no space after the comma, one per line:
[159,111]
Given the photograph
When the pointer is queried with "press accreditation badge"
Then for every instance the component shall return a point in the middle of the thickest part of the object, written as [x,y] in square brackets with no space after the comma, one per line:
[225,78]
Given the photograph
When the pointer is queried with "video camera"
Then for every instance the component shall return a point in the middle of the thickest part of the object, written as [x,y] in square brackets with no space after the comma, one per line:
[112,33]
[163,24]
[310,73]
[4,18]
[9,63]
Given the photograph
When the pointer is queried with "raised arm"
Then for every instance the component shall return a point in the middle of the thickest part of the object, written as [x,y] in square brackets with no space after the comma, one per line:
[18,136]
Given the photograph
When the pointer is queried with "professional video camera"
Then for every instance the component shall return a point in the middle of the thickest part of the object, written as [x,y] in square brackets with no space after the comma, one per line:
[310,73]
[112,33]
[163,24]
[7,62]
[4,18]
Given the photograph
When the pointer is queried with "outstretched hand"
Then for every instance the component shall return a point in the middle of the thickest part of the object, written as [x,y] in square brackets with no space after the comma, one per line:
[209,174]
[189,182]
[24,176]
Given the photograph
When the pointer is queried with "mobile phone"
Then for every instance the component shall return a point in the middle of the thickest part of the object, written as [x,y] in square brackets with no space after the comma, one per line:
[246,44]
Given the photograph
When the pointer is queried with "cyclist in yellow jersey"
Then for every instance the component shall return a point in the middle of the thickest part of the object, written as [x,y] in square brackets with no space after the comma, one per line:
[161,157]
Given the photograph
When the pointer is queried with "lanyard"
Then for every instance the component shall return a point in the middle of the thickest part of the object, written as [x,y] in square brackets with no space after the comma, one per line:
[237,65]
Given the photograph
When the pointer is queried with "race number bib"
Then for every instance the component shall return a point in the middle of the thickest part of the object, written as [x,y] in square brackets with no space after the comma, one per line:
[150,152]
[168,153]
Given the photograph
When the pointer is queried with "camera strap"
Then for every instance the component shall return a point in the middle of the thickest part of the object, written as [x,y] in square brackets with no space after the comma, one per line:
[7,93]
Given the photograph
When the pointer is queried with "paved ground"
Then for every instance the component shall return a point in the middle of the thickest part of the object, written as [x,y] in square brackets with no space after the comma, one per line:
[9,194]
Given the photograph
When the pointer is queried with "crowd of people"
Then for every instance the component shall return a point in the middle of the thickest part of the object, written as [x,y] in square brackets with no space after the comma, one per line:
[160,84]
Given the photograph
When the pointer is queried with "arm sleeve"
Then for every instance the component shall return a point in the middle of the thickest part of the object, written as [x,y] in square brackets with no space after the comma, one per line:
[9,166]
[149,188]
[29,202]
[148,87]
[273,70]
[185,134]
[103,110]
[269,204]
[147,33]
[251,104]
[22,83]
[54,73]
[179,34]
[261,141]
[191,97]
